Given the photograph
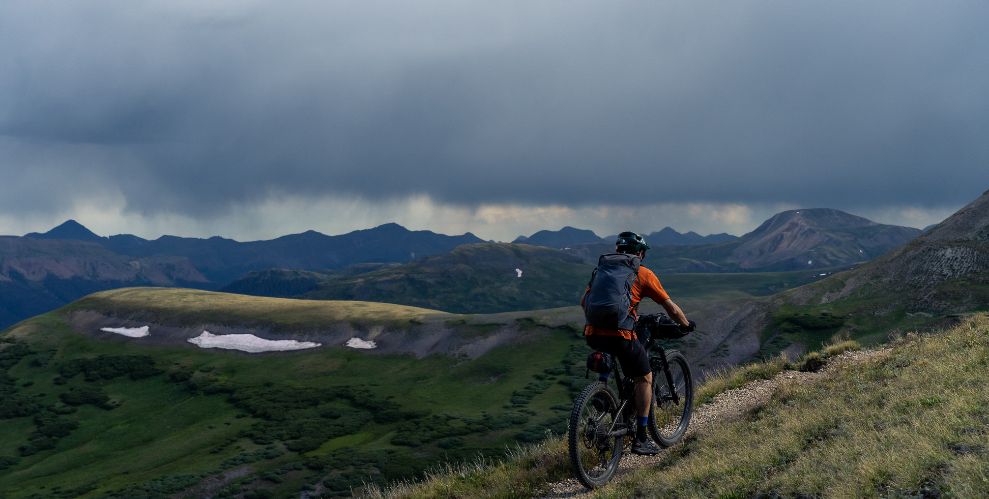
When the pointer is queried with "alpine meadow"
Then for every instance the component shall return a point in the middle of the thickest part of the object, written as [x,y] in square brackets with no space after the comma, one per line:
[493,249]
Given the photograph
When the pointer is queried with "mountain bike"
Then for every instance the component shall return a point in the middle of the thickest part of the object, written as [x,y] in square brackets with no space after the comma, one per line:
[603,419]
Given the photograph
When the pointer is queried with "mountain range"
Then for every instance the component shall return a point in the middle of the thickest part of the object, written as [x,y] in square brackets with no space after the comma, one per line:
[41,271]
[568,237]
[481,278]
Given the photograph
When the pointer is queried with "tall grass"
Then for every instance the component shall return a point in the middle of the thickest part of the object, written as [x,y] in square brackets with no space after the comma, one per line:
[525,472]
[913,423]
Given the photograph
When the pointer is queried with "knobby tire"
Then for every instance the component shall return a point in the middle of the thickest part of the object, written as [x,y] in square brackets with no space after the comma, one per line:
[670,422]
[594,460]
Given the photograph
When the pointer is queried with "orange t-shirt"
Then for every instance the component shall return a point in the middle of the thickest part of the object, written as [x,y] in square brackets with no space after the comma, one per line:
[646,285]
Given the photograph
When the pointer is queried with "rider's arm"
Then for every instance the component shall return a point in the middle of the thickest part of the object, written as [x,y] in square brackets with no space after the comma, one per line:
[673,310]
[654,289]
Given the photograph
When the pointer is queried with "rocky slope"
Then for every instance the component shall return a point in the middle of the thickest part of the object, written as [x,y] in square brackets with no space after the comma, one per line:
[944,270]
[817,238]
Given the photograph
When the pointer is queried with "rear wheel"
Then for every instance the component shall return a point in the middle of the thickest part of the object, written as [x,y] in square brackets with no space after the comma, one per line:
[594,455]
[671,403]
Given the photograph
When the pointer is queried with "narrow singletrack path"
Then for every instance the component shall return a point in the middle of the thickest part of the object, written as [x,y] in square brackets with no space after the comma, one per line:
[727,406]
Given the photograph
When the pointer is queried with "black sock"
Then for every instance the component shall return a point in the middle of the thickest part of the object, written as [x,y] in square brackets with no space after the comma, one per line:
[640,433]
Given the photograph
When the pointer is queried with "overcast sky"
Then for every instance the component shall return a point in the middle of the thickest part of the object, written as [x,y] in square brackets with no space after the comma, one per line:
[256,119]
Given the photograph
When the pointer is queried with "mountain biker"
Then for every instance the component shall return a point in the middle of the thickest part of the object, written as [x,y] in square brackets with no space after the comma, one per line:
[624,345]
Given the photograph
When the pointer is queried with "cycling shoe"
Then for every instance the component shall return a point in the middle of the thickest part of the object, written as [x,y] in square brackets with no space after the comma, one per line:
[645,447]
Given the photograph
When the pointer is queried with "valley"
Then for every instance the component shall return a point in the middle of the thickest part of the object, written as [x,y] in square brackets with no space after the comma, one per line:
[398,368]
[123,410]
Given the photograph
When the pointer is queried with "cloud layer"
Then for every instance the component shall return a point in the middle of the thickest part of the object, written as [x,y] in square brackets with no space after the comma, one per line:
[185,110]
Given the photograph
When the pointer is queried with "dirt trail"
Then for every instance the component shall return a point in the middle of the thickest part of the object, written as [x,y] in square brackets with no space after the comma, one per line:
[726,407]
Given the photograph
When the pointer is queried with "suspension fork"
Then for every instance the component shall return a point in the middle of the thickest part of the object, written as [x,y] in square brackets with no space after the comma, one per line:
[669,376]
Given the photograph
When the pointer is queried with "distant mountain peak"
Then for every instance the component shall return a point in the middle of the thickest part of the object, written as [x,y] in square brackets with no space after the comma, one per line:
[817,236]
[668,236]
[971,222]
[566,236]
[822,218]
[70,230]
[390,226]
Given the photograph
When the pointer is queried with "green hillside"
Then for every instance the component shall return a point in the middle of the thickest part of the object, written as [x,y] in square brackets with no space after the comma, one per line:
[910,422]
[474,278]
[481,278]
[86,413]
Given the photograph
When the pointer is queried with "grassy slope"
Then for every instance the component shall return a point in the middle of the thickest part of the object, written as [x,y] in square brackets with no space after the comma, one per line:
[903,425]
[870,314]
[171,430]
[908,424]
[186,306]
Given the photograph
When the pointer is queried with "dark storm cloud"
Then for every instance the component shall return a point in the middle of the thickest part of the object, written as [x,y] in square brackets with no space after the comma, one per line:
[189,108]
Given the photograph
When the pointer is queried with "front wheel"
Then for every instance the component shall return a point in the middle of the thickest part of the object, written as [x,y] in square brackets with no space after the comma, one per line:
[594,454]
[672,403]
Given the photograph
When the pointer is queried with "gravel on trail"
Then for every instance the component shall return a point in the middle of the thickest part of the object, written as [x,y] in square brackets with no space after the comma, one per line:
[726,406]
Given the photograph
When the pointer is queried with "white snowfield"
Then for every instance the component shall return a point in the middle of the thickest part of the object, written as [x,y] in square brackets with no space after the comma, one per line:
[130,332]
[361,344]
[248,343]
[518,272]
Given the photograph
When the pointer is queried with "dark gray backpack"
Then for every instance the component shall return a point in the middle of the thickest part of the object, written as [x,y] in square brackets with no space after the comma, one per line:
[608,303]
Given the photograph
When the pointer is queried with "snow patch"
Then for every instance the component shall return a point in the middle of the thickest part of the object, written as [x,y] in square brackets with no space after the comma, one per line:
[821,275]
[361,344]
[810,262]
[130,332]
[248,343]
[518,272]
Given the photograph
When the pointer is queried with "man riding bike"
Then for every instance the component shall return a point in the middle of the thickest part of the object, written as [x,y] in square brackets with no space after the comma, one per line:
[615,334]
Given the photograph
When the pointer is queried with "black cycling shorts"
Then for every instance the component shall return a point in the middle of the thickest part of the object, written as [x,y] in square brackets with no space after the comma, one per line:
[630,353]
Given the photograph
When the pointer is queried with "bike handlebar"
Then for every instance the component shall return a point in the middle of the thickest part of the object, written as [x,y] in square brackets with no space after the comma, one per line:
[661,326]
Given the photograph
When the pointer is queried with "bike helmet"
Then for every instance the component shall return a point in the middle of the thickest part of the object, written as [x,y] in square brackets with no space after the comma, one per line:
[630,242]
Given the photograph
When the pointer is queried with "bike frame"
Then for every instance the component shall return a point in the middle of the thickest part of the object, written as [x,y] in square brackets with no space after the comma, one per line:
[626,387]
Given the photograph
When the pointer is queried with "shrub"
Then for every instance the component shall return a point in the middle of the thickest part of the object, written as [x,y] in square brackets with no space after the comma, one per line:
[92,395]
[49,428]
[838,348]
[7,462]
[811,362]
[108,367]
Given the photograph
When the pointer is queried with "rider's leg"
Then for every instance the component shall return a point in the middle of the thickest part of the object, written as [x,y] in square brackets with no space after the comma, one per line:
[643,401]
[643,395]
